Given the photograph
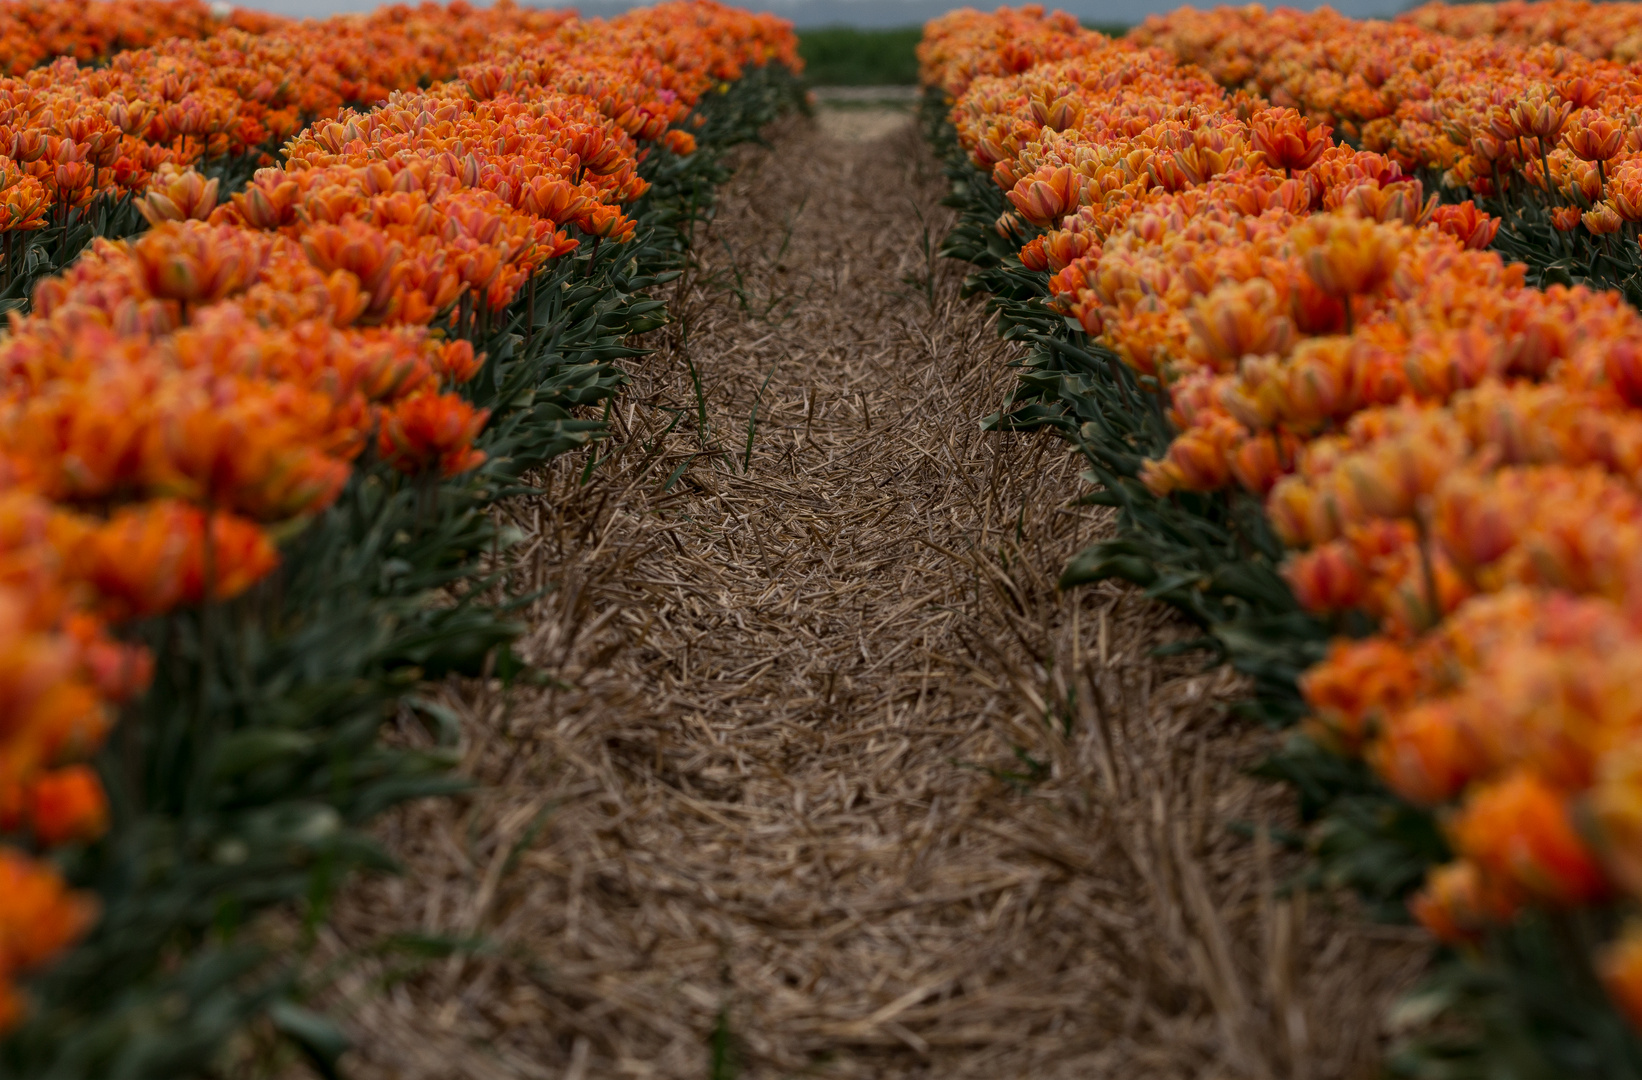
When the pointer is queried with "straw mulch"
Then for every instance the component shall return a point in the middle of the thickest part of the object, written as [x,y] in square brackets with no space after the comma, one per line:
[830,779]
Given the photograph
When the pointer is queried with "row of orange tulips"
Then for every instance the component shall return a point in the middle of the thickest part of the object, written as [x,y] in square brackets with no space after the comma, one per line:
[1596,30]
[34,31]
[176,403]
[1439,446]
[79,142]
[1510,118]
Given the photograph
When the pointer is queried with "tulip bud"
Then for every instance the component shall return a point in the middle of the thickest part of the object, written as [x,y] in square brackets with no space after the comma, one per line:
[1237,320]
[175,195]
[1565,218]
[679,142]
[28,146]
[1298,516]
[1032,256]
[66,805]
[1421,755]
[1625,194]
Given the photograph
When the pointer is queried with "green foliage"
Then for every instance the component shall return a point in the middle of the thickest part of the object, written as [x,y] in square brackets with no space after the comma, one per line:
[1526,1005]
[247,776]
[1553,257]
[847,56]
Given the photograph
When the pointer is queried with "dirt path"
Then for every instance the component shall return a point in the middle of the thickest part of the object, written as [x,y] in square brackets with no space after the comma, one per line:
[832,781]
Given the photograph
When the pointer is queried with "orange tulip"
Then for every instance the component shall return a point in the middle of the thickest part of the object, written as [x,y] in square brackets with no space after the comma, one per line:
[1542,117]
[1047,195]
[1349,257]
[1594,137]
[1283,136]
[1566,218]
[428,431]
[176,195]
[1459,903]
[39,917]
[68,804]
[1602,219]
[1519,830]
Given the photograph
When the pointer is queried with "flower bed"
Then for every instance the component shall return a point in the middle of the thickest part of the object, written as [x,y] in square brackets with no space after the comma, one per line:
[246,459]
[1599,31]
[34,31]
[1392,479]
[1539,133]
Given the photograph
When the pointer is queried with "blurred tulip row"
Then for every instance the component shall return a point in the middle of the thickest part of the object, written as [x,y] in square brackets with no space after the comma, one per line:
[1599,31]
[178,402]
[1534,108]
[34,31]
[1439,446]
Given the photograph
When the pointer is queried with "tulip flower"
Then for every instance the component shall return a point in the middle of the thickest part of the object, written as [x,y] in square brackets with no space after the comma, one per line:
[178,195]
[1047,195]
[1459,903]
[39,916]
[1519,830]
[432,431]
[1594,137]
[1602,219]
[67,804]
[1288,143]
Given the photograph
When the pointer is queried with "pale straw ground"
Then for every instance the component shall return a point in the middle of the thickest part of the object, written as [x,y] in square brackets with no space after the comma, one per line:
[831,780]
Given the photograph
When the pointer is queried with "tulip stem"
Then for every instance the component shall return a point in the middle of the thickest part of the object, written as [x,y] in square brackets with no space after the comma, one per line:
[207,639]
[530,318]
[1427,571]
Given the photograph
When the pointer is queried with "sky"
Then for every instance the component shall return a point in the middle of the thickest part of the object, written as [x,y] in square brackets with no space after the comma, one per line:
[865,12]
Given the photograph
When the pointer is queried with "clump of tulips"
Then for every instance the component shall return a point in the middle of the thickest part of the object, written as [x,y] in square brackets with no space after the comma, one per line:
[178,400]
[1439,446]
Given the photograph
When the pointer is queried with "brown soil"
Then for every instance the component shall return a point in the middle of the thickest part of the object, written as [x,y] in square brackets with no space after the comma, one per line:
[832,780]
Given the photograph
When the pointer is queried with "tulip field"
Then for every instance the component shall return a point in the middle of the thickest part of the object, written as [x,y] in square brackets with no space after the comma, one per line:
[526,549]
[1342,316]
